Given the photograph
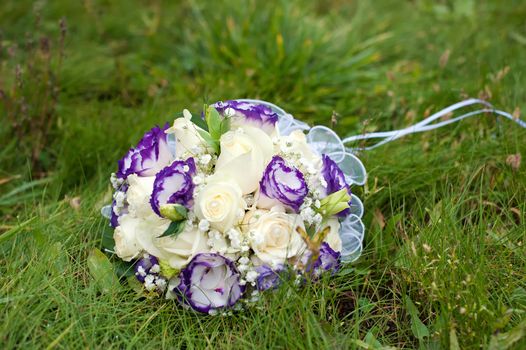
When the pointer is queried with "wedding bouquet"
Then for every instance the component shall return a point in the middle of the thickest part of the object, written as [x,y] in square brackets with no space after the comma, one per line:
[218,207]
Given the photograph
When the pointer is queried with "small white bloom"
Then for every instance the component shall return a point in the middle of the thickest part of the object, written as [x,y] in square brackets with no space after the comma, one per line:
[197,180]
[217,242]
[235,238]
[161,283]
[115,181]
[317,219]
[141,271]
[205,159]
[229,112]
[155,268]
[204,225]
[119,197]
[307,202]
[149,282]
[307,215]
[251,276]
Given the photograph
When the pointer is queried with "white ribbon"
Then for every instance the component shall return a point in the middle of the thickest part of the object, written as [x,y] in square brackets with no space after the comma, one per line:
[425,125]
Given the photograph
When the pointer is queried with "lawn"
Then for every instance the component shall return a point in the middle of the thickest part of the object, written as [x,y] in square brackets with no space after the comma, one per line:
[444,260]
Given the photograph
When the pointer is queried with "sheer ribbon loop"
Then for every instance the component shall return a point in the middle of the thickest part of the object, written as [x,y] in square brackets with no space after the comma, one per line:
[427,124]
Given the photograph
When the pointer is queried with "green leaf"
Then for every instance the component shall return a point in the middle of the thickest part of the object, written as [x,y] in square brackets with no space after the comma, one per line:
[217,126]
[107,241]
[419,329]
[213,120]
[209,140]
[225,126]
[123,269]
[175,228]
[174,212]
[102,272]
[200,122]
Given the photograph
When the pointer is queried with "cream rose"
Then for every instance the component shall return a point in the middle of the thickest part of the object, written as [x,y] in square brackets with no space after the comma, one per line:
[134,235]
[187,137]
[273,236]
[333,237]
[138,195]
[177,252]
[244,155]
[296,142]
[221,203]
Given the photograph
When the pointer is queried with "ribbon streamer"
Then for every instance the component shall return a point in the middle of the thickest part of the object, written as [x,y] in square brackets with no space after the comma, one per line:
[425,125]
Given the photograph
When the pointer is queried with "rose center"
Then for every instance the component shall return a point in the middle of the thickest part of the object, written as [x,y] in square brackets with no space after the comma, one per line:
[277,235]
[214,206]
[236,145]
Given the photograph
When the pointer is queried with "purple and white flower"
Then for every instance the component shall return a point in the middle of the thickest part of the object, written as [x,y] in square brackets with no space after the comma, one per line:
[328,259]
[243,112]
[282,184]
[209,282]
[150,155]
[174,184]
[335,179]
[267,278]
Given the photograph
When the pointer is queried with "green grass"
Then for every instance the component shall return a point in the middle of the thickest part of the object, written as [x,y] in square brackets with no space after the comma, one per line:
[444,260]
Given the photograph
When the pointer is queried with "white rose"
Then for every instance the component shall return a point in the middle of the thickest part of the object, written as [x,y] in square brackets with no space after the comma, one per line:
[187,137]
[221,203]
[333,237]
[178,252]
[244,155]
[137,235]
[138,195]
[273,236]
[134,235]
